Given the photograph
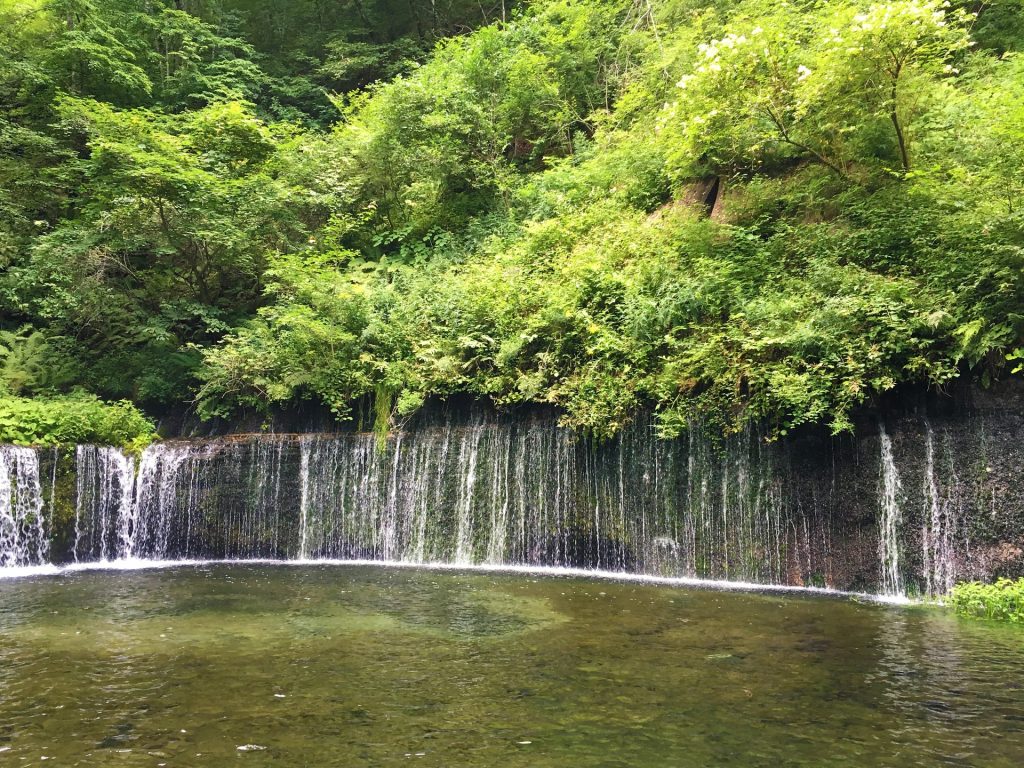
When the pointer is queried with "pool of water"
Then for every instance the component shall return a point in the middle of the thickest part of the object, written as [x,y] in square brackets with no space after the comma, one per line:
[364,666]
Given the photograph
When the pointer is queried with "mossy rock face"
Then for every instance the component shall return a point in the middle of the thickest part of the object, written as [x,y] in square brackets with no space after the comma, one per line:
[58,478]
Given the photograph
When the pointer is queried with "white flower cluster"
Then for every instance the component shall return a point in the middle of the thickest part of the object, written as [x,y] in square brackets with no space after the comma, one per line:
[711,53]
[879,17]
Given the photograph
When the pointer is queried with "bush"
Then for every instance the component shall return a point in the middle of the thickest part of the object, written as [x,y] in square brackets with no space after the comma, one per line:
[72,419]
[1002,601]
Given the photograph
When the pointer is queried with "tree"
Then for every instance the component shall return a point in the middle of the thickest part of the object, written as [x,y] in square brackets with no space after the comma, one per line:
[171,243]
[814,83]
[888,57]
[91,53]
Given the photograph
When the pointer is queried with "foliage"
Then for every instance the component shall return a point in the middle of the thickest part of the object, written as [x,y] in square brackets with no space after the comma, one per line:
[723,210]
[171,243]
[72,419]
[1002,601]
[569,307]
[835,84]
[28,363]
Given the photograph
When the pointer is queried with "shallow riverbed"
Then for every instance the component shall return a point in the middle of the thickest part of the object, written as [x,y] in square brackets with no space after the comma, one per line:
[370,666]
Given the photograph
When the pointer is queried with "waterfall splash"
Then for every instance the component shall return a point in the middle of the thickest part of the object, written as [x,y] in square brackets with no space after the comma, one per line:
[23,535]
[890,519]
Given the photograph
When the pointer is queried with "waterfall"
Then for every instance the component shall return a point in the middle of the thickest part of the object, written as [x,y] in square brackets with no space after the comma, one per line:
[890,519]
[470,492]
[23,535]
[469,455]
[123,468]
[304,500]
[106,519]
[939,525]
[480,488]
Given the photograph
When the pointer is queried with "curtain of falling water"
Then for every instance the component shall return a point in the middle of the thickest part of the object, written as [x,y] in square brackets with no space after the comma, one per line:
[23,536]
[105,481]
[943,508]
[890,519]
[515,491]
[482,491]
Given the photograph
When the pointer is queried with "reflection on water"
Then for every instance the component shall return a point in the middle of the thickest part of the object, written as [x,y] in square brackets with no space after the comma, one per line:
[368,666]
[950,677]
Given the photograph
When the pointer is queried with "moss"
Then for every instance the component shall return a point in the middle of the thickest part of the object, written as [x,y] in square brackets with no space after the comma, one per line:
[58,466]
[382,402]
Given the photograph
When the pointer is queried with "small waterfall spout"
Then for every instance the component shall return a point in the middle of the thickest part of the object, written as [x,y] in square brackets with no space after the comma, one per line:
[23,536]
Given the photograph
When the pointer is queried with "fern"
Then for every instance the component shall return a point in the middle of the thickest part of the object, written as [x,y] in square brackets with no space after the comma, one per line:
[24,361]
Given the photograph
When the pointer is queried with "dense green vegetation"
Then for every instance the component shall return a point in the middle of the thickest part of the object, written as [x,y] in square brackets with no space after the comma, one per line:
[1002,601]
[78,418]
[721,209]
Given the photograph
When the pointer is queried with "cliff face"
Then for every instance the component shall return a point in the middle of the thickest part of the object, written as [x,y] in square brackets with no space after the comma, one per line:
[929,491]
[916,501]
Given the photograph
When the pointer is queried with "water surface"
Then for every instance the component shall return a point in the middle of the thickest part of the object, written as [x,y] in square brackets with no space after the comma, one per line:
[366,666]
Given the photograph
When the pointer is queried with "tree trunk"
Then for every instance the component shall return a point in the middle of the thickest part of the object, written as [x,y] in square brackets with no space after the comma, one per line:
[894,116]
[901,141]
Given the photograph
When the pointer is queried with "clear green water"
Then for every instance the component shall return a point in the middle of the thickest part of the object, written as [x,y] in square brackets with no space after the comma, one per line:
[363,666]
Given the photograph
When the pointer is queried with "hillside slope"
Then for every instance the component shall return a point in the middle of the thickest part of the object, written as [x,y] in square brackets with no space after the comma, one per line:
[720,210]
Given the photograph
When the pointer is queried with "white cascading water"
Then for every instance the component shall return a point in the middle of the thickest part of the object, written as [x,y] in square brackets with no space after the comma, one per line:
[483,491]
[105,479]
[23,535]
[156,490]
[304,492]
[938,532]
[465,493]
[890,519]
[469,455]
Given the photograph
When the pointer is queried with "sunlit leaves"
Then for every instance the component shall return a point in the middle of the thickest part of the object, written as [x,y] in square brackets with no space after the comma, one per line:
[836,84]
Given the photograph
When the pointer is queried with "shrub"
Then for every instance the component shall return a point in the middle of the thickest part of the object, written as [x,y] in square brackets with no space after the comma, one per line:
[79,418]
[1002,601]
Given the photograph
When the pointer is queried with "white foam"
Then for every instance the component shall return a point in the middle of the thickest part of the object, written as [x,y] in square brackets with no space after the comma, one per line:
[23,571]
[135,564]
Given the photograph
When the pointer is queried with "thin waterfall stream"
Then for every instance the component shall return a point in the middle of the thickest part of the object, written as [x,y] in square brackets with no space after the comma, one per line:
[23,535]
[890,518]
